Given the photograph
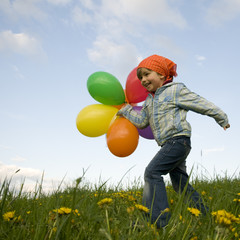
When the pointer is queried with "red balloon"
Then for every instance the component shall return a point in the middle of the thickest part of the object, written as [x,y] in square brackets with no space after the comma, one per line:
[135,92]
[122,137]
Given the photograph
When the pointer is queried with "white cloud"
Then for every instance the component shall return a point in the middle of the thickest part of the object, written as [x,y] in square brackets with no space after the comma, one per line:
[7,171]
[200,59]
[80,17]
[88,4]
[114,21]
[118,57]
[59,2]
[128,15]
[152,11]
[22,9]
[29,177]
[221,11]
[20,43]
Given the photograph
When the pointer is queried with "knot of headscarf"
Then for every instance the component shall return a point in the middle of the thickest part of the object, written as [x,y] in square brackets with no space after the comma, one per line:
[161,65]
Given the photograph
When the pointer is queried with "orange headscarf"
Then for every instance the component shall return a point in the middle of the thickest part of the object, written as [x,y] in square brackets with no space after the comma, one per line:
[161,65]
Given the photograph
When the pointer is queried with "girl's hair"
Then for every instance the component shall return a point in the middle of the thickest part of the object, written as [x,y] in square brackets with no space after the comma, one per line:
[140,72]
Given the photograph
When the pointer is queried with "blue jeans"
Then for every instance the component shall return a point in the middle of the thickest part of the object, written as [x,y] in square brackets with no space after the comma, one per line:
[171,159]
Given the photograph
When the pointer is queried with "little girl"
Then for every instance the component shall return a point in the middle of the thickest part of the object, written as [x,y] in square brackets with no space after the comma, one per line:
[165,110]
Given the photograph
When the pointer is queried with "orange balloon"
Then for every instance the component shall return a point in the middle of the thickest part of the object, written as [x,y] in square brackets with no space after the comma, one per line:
[122,137]
[119,106]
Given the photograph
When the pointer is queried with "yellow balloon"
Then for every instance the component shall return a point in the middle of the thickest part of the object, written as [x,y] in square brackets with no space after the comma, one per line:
[94,120]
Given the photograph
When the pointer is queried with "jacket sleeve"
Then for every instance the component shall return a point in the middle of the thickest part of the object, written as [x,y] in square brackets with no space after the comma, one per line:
[140,120]
[191,101]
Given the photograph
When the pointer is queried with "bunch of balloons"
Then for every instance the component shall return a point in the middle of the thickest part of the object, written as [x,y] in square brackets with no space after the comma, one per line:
[98,119]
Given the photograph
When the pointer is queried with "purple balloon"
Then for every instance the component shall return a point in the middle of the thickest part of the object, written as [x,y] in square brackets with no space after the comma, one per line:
[146,132]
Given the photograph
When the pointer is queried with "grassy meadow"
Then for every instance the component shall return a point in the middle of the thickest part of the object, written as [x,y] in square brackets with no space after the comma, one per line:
[83,211]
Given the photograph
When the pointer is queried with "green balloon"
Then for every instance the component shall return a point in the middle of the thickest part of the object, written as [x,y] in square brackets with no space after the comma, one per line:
[105,88]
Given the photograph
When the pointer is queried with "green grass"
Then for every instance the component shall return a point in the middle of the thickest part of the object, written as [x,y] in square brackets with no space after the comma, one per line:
[77,213]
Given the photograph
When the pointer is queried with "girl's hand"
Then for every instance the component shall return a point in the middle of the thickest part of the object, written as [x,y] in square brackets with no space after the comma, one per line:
[228,126]
[119,113]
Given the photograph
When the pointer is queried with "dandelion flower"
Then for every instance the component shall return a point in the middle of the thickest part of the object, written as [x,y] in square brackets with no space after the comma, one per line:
[194,211]
[130,210]
[166,210]
[224,217]
[203,193]
[131,198]
[194,238]
[104,201]
[63,210]
[142,208]
[9,216]
[76,212]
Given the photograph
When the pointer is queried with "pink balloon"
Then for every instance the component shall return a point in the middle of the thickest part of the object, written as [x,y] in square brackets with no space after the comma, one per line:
[135,92]
[146,132]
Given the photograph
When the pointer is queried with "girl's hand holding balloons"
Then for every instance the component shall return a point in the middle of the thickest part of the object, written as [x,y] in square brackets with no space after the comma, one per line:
[98,119]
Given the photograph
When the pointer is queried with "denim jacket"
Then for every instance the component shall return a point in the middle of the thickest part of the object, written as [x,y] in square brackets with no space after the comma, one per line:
[166,112]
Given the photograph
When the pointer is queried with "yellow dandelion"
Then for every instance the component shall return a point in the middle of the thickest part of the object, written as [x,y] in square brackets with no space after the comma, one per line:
[9,216]
[104,201]
[76,212]
[142,208]
[166,210]
[238,194]
[194,238]
[194,211]
[171,201]
[63,210]
[224,217]
[130,210]
[138,194]
[203,193]
[28,212]
[210,198]
[131,198]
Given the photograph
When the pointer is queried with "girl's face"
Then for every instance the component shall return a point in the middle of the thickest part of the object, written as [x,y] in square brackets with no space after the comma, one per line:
[151,80]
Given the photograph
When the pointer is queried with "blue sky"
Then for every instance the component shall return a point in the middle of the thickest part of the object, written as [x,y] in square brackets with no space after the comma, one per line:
[49,48]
